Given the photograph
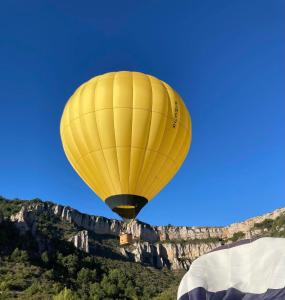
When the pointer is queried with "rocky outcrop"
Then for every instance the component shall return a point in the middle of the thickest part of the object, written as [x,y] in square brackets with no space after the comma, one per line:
[173,247]
[81,241]
[24,220]
[98,225]
[171,255]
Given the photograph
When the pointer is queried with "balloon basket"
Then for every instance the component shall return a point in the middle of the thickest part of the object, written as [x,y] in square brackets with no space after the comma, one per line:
[126,239]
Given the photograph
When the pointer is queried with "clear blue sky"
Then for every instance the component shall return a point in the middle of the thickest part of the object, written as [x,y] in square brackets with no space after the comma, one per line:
[225,58]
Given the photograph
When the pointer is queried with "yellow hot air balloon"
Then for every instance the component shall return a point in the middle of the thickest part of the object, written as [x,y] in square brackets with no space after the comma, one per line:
[126,134]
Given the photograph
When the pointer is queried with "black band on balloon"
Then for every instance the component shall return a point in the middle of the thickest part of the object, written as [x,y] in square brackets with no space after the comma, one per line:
[125,205]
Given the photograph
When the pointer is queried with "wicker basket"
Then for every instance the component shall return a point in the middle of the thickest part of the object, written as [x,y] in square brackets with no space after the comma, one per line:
[126,239]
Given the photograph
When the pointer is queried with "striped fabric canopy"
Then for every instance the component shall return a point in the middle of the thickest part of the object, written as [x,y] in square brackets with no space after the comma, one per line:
[249,270]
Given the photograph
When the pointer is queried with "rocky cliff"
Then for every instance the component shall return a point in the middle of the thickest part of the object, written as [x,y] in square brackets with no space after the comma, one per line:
[173,247]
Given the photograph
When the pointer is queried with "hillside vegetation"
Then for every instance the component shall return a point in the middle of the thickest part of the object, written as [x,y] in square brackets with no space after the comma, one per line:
[63,272]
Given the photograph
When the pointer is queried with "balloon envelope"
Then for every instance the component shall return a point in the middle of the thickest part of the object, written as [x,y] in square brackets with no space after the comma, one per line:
[126,134]
[251,270]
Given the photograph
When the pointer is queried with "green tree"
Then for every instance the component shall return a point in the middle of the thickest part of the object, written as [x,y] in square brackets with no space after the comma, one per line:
[110,288]
[69,262]
[119,278]
[85,276]
[130,291]
[96,291]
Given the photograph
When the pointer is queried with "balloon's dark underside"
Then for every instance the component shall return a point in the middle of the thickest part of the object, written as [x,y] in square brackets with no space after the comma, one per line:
[201,293]
[125,205]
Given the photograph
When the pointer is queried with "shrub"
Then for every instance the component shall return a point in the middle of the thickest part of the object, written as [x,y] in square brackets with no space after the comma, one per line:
[33,289]
[19,255]
[45,257]
[267,223]
[237,236]
[4,285]
[65,294]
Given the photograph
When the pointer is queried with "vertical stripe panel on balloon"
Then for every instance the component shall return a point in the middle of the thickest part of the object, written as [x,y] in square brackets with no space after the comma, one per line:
[74,163]
[162,181]
[104,93]
[142,125]
[159,160]
[167,141]
[141,118]
[88,117]
[158,123]
[162,178]
[123,99]
[178,125]
[64,120]
[97,183]
[75,104]
[104,171]
[151,158]
[76,128]
[159,113]
[105,127]
[71,144]
[110,155]
[170,168]
[160,96]
[86,172]
[82,168]
[89,128]
[87,98]
[142,92]
[147,170]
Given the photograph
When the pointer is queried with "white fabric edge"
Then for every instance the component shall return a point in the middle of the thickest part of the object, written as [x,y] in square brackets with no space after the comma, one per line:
[251,268]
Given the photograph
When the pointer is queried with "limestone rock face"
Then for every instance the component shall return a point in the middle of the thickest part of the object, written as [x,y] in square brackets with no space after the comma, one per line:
[99,225]
[80,240]
[173,247]
[183,233]
[170,255]
[23,220]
